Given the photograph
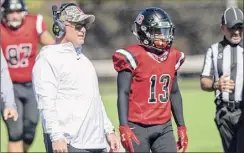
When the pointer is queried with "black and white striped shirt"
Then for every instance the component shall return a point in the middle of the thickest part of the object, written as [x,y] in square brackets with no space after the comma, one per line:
[223,58]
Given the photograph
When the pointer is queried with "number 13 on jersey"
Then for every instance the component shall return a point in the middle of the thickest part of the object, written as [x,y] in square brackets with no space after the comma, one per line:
[163,94]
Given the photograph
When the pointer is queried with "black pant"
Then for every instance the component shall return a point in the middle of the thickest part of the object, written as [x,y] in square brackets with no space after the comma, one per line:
[157,138]
[231,128]
[25,126]
[49,148]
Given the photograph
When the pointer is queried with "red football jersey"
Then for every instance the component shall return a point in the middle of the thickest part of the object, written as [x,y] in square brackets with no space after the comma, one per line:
[149,99]
[20,47]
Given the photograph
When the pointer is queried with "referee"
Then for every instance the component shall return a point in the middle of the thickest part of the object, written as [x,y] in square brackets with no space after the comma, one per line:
[223,73]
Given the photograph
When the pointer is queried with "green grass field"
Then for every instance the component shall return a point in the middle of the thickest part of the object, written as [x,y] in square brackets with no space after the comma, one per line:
[199,111]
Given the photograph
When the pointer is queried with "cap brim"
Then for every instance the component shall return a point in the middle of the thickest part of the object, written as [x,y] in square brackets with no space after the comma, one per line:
[233,23]
[87,18]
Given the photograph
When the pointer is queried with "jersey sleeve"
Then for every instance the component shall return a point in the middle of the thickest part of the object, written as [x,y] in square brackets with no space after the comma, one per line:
[41,25]
[180,58]
[123,59]
[208,66]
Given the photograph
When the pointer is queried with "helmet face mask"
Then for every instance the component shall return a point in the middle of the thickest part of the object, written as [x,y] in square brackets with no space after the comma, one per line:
[13,12]
[153,27]
[165,32]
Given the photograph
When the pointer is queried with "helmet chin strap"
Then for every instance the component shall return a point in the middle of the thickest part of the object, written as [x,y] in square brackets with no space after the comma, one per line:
[154,49]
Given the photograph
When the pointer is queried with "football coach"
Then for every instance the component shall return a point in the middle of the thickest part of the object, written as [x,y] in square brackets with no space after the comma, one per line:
[67,92]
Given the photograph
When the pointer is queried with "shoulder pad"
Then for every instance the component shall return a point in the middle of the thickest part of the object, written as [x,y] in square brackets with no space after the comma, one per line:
[124,59]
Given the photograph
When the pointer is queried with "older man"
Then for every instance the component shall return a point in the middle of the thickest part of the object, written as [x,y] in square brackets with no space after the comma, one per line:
[66,87]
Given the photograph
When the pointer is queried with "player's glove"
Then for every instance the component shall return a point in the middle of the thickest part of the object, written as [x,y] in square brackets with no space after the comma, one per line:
[183,139]
[126,136]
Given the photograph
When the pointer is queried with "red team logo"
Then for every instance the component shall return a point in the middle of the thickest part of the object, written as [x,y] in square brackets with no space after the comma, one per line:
[140,19]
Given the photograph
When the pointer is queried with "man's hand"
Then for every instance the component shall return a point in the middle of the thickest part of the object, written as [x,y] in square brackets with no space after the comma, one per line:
[60,146]
[9,113]
[113,142]
[225,84]
[126,136]
[183,139]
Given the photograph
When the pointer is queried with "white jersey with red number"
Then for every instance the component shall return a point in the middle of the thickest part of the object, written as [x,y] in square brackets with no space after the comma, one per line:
[20,47]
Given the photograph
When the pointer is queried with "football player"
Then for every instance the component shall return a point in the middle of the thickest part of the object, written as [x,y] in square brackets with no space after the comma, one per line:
[147,87]
[21,33]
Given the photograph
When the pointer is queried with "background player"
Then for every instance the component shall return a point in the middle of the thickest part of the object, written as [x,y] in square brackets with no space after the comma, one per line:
[22,33]
[148,88]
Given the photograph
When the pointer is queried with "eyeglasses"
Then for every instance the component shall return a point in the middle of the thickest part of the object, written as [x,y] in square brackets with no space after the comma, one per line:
[78,26]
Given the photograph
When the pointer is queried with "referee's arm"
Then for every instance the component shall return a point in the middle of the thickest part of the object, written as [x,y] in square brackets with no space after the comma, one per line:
[207,75]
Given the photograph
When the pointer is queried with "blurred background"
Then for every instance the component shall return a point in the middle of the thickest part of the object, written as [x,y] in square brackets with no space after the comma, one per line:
[197,25]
